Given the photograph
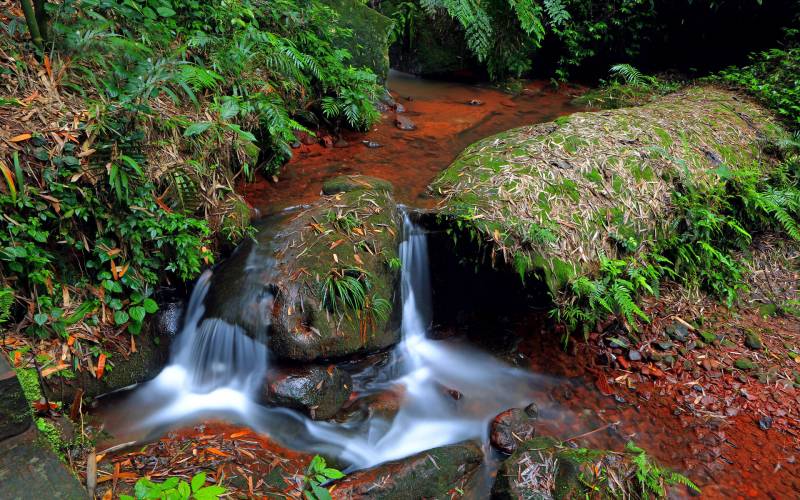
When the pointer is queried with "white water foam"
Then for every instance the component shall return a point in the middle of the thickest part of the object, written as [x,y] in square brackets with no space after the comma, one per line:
[217,370]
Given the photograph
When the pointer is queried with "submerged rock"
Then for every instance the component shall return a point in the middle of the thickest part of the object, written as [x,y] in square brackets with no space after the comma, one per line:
[430,474]
[404,123]
[317,391]
[348,183]
[550,190]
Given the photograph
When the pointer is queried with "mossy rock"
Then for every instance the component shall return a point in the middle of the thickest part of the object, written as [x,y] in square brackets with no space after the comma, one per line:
[555,470]
[348,183]
[152,354]
[430,474]
[273,287]
[317,391]
[552,197]
[369,45]
[15,411]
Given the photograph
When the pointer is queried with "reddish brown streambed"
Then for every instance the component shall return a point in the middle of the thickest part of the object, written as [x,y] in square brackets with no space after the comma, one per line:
[448,117]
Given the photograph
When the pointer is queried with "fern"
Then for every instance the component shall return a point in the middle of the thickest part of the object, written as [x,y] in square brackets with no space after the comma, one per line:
[631,75]
[557,12]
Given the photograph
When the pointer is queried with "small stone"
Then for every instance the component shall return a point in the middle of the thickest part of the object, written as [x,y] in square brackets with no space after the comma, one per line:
[728,343]
[708,337]
[669,359]
[691,346]
[634,355]
[400,108]
[665,346]
[767,310]
[753,341]
[744,364]
[677,331]
[295,144]
[341,143]
[404,123]
[764,423]
[532,410]
[475,102]
[372,144]
[511,428]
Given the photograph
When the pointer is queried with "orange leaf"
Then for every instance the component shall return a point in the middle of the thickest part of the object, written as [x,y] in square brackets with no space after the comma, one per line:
[101,365]
[70,340]
[17,358]
[358,230]
[217,452]
[239,434]
[20,137]
[358,259]
[336,243]
[123,270]
[114,270]
[54,369]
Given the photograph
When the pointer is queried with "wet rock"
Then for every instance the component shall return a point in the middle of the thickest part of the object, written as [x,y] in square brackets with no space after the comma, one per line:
[677,331]
[744,364]
[314,390]
[369,43]
[295,144]
[383,405]
[665,346]
[152,354]
[532,411]
[15,412]
[404,123]
[340,143]
[753,341]
[30,469]
[168,319]
[348,183]
[511,428]
[372,144]
[475,102]
[634,355]
[764,423]
[399,108]
[430,474]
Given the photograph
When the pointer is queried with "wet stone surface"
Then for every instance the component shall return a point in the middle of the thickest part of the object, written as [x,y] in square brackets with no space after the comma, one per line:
[317,391]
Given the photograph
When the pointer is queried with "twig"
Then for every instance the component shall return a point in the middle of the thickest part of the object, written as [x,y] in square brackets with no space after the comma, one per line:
[594,431]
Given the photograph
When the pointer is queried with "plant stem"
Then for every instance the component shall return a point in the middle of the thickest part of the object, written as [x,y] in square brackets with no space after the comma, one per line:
[42,19]
[33,24]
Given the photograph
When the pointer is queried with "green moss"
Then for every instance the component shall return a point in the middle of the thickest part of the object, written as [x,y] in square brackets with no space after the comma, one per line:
[29,380]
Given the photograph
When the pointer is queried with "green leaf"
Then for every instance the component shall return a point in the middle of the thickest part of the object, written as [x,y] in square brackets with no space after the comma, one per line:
[150,306]
[183,490]
[137,313]
[317,463]
[165,11]
[332,473]
[321,493]
[40,319]
[198,481]
[209,492]
[112,286]
[196,128]
[121,317]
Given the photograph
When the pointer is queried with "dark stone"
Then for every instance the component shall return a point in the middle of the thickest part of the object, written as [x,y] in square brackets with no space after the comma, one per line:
[404,123]
[399,108]
[665,346]
[634,355]
[348,183]
[15,411]
[314,390]
[677,331]
[510,428]
[764,423]
[430,474]
[340,143]
[383,405]
[372,144]
[152,354]
[475,102]
[753,341]
[532,410]
[30,470]
[169,319]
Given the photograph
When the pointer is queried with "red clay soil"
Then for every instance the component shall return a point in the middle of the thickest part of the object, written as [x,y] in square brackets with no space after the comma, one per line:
[445,123]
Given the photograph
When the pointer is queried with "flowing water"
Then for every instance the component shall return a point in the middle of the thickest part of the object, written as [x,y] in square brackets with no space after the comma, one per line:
[216,370]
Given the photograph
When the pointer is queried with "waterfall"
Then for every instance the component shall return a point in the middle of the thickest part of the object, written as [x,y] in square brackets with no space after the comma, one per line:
[216,371]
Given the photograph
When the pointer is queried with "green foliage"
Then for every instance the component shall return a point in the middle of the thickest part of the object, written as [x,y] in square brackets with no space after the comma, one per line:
[176,489]
[317,474]
[627,87]
[652,478]
[349,290]
[6,301]
[771,77]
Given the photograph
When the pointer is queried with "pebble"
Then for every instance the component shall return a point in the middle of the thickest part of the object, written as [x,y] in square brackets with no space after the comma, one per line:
[764,423]
[634,355]
[372,144]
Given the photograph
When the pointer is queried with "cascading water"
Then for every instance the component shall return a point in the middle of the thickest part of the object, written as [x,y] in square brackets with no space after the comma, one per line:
[217,370]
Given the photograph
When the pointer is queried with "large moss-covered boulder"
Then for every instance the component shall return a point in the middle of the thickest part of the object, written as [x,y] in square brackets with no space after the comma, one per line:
[553,197]
[369,45]
[431,474]
[316,283]
[543,468]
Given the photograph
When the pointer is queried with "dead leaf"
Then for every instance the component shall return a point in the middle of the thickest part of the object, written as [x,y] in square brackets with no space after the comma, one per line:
[101,365]
[20,137]
[602,385]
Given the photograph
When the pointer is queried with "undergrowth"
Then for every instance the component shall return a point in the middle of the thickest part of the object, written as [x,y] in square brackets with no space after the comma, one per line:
[130,123]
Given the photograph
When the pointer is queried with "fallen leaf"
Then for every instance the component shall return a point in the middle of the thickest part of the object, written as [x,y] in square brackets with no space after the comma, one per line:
[17,358]
[602,385]
[336,243]
[101,365]
[54,369]
[358,259]
[217,452]
[20,137]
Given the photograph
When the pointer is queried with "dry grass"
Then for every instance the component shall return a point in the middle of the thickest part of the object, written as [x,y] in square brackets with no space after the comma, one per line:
[595,179]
